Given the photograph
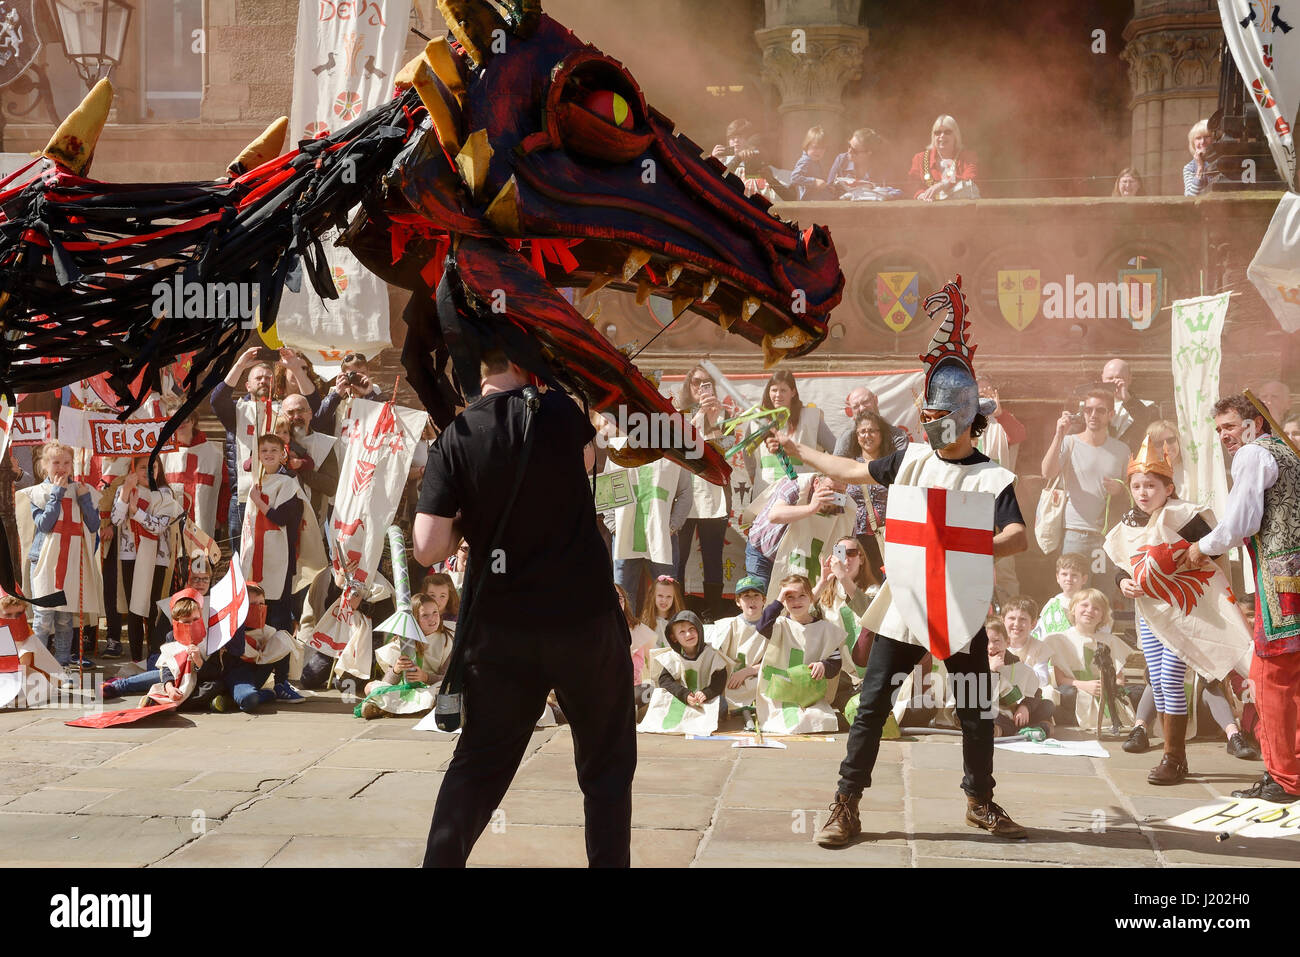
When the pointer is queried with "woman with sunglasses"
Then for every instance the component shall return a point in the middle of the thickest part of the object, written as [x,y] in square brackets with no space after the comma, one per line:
[710,504]
[938,168]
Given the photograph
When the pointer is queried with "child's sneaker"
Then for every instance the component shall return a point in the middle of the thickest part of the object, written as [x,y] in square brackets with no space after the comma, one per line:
[112,650]
[285,693]
[223,704]
[111,690]
[371,710]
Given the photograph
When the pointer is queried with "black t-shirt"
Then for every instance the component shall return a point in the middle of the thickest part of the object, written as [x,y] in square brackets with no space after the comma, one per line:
[1006,510]
[556,567]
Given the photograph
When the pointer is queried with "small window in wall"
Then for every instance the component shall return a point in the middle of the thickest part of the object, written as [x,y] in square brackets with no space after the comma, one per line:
[171,58]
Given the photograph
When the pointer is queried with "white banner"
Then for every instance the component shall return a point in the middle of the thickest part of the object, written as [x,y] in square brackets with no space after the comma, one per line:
[378,442]
[1243,817]
[1266,48]
[132,437]
[1275,270]
[346,57]
[1196,343]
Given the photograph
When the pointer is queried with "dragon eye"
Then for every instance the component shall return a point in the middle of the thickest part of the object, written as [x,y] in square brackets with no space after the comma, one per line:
[595,108]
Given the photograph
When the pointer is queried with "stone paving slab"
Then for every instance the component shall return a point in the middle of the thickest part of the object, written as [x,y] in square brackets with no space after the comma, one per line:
[307,786]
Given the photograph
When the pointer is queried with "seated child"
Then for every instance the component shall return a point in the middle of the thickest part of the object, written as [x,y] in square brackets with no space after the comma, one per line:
[663,600]
[412,671]
[252,656]
[1019,618]
[1020,701]
[1072,652]
[37,667]
[691,675]
[800,668]
[441,588]
[743,639]
[179,660]
[1071,574]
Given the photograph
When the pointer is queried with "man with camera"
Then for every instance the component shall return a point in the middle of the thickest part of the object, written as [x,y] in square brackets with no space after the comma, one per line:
[1092,464]
[510,475]
[352,382]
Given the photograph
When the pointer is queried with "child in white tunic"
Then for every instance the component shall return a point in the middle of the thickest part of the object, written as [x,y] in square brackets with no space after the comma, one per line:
[743,639]
[663,601]
[800,669]
[413,673]
[690,677]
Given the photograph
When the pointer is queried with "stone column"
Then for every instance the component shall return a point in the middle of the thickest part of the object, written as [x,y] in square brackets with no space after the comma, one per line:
[812,50]
[1172,52]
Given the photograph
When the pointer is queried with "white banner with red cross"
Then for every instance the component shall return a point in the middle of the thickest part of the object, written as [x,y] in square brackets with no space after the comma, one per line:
[939,558]
[377,442]
[228,604]
[345,60]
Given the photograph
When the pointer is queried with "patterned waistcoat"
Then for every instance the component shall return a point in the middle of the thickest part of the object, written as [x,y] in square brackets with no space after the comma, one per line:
[1275,550]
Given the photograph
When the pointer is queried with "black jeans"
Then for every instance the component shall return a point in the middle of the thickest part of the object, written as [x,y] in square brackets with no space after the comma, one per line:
[507,678]
[713,533]
[890,663]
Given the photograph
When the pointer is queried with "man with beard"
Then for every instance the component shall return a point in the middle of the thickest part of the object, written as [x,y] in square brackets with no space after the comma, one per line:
[246,418]
[1263,509]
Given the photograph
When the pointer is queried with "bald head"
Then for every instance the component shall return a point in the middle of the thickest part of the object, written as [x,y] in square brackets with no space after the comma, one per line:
[1117,370]
[1277,397]
[860,400]
[297,410]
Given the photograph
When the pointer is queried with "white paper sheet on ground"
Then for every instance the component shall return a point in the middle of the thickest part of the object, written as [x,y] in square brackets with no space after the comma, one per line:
[1069,749]
[430,723]
[765,743]
[1242,817]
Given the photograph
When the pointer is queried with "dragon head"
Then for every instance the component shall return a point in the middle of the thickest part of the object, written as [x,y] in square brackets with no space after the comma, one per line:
[536,138]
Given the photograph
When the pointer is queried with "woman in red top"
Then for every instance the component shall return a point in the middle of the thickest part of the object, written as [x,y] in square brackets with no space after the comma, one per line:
[938,169]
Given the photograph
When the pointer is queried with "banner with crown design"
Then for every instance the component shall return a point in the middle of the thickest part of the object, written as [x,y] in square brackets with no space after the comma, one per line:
[1197,334]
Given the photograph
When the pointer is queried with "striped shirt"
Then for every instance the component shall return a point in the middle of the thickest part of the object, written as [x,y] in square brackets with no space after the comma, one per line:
[1194,185]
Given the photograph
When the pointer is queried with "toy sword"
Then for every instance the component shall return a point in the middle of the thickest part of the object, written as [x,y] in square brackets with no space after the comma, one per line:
[402,623]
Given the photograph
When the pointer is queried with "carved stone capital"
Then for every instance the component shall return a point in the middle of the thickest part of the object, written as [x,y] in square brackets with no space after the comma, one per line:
[1172,53]
[810,66]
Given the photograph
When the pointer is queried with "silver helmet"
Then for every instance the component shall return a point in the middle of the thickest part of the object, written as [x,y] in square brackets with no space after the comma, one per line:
[950,374]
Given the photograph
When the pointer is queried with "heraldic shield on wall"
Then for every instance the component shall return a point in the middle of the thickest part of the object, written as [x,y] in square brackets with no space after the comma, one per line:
[19,43]
[939,554]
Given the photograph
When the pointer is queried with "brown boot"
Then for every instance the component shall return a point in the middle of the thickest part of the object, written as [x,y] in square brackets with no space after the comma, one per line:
[845,823]
[1172,768]
[982,812]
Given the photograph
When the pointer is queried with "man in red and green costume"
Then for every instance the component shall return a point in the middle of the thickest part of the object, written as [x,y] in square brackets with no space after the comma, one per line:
[1263,510]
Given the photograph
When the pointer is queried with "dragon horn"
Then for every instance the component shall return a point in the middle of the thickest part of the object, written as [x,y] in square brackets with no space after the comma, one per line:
[474,22]
[446,66]
[73,144]
[263,149]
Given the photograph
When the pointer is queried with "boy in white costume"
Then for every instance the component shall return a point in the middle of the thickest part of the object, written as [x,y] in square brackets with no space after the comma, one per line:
[953,417]
[800,670]
[689,679]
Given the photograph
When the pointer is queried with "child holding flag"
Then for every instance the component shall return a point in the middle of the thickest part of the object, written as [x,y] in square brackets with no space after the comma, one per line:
[271,536]
[66,522]
[257,650]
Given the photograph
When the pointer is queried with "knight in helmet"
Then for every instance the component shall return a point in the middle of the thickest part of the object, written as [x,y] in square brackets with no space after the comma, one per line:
[960,507]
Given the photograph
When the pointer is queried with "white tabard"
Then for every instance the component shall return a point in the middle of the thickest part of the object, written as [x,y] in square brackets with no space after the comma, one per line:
[194,474]
[68,560]
[740,642]
[147,536]
[923,468]
[668,714]
[264,547]
[797,646]
[641,530]
[1189,609]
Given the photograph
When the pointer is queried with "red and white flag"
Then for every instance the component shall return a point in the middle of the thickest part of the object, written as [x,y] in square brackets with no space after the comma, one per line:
[375,448]
[939,557]
[228,601]
[11,672]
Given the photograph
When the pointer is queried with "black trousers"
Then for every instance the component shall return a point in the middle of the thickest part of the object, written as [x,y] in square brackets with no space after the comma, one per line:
[507,678]
[890,663]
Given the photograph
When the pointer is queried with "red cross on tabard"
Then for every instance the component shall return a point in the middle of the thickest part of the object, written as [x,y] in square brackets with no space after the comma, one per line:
[190,478]
[938,538]
[345,530]
[231,610]
[261,525]
[67,528]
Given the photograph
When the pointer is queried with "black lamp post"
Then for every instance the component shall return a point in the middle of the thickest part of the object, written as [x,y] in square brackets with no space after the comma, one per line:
[93,34]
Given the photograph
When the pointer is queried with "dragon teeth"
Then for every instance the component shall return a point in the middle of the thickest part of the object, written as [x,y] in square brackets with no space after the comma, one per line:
[632,265]
[749,307]
[681,304]
[725,318]
[710,287]
[643,291]
[674,271]
[598,282]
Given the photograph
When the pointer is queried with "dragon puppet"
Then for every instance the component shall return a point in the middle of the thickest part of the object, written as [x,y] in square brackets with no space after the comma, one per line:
[513,161]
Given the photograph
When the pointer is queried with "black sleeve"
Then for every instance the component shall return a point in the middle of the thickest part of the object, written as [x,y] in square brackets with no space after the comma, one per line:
[437,494]
[770,614]
[717,684]
[1006,510]
[673,686]
[287,513]
[1196,529]
[223,406]
[833,664]
[558,404]
[885,470]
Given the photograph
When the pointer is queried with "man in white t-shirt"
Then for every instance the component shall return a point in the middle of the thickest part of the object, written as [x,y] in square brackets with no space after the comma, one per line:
[1092,466]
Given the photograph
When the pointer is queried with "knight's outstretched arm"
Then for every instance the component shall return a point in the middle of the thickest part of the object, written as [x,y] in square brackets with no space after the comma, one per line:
[845,470]
[433,538]
[1012,540]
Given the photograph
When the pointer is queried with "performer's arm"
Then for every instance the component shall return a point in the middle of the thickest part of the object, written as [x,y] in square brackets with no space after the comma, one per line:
[1009,537]
[846,470]
[1012,540]
[433,538]
[1253,472]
